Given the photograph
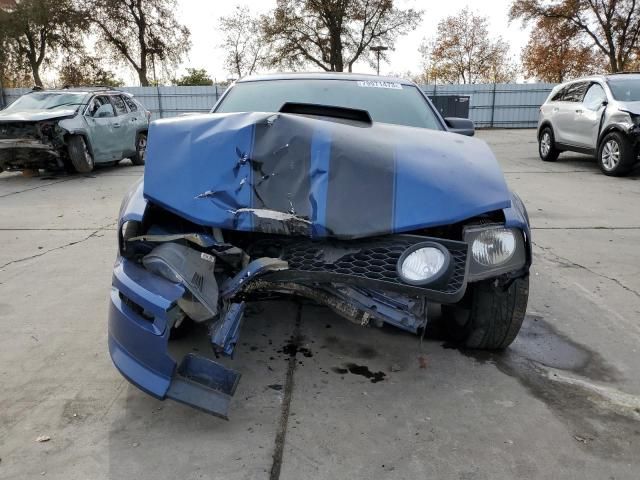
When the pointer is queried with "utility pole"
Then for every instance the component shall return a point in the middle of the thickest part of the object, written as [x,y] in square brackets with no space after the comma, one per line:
[378,49]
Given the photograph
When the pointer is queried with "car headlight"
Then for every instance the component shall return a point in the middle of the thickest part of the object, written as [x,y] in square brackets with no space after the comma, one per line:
[493,247]
[494,250]
[425,264]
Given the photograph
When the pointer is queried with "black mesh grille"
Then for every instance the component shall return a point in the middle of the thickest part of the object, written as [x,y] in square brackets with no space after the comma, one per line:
[374,260]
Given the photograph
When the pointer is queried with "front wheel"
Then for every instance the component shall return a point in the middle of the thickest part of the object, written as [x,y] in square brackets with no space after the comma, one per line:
[141,149]
[79,154]
[616,155]
[492,317]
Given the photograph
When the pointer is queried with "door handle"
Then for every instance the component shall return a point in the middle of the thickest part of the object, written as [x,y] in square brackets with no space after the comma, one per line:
[579,111]
[555,109]
[116,125]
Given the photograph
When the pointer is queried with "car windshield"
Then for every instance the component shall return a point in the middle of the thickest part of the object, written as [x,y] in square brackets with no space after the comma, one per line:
[625,89]
[386,102]
[46,101]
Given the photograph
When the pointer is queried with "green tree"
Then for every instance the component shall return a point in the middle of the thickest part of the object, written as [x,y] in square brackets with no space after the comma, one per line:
[83,69]
[333,34]
[140,33]
[194,76]
[35,31]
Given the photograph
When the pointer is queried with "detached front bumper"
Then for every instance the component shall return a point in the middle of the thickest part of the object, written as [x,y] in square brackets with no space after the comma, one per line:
[26,152]
[141,313]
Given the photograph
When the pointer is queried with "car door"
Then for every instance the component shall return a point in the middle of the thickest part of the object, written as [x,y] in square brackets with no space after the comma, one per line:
[588,116]
[100,116]
[122,127]
[570,105]
[138,120]
[551,110]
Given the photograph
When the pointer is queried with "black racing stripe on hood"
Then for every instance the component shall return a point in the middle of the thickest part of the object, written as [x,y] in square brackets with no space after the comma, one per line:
[280,167]
[360,198]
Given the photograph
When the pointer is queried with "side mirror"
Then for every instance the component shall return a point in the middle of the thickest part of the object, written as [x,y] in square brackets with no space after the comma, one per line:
[463,126]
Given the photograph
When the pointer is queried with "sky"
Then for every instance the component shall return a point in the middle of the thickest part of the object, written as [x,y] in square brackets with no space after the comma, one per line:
[202,18]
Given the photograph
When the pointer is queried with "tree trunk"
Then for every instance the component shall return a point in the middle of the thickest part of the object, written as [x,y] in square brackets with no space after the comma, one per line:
[35,70]
[142,75]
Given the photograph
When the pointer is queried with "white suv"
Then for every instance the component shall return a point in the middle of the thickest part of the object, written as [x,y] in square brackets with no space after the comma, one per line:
[596,115]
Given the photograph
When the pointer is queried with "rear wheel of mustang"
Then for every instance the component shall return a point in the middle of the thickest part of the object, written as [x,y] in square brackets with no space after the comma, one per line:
[141,149]
[547,145]
[492,317]
[616,155]
[79,154]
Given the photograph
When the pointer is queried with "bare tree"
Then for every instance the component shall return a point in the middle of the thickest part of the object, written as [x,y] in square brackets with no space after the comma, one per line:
[612,25]
[245,47]
[139,32]
[557,51]
[333,34]
[464,50]
[35,31]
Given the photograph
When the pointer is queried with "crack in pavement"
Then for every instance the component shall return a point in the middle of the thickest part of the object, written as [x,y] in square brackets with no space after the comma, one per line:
[39,186]
[40,254]
[569,263]
[281,433]
[57,229]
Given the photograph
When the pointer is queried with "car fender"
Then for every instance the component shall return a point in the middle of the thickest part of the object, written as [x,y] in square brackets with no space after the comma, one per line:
[517,216]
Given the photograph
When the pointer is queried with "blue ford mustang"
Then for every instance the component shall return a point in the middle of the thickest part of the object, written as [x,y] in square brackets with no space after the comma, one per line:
[349,190]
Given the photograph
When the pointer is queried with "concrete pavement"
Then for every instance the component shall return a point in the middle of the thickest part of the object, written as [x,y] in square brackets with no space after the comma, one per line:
[563,402]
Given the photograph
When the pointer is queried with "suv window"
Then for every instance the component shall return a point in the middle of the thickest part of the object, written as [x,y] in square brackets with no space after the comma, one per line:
[130,103]
[559,95]
[575,92]
[594,97]
[100,107]
[121,108]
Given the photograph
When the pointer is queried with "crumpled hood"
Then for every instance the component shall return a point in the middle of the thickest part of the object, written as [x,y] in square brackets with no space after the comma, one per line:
[633,107]
[35,115]
[253,171]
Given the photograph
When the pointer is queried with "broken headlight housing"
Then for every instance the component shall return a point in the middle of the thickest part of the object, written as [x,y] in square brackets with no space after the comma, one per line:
[128,229]
[494,250]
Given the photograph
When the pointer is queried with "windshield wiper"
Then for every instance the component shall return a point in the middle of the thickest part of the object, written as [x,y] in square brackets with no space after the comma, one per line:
[62,105]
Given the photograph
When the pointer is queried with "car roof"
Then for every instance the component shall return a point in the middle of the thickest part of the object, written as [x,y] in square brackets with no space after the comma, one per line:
[604,77]
[86,90]
[324,76]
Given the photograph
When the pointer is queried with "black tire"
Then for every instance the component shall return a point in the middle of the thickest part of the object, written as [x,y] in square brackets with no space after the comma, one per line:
[493,316]
[141,149]
[547,139]
[616,154]
[81,158]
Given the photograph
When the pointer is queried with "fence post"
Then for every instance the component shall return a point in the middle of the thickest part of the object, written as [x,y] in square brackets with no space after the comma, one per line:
[493,104]
[160,112]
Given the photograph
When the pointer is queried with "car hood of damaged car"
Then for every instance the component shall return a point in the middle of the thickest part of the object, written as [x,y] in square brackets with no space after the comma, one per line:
[339,178]
[35,115]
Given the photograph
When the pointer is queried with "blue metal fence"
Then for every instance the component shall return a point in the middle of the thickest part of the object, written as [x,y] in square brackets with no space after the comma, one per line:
[503,105]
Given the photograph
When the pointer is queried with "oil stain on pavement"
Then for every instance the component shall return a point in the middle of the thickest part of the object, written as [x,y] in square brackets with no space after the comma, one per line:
[572,381]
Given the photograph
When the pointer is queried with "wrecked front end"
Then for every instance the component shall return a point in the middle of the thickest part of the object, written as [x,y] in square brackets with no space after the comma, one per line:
[32,143]
[247,206]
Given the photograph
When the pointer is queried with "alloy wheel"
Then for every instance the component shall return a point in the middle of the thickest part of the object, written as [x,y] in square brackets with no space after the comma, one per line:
[610,155]
[545,144]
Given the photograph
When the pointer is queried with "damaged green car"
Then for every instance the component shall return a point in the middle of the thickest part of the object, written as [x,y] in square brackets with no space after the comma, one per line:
[73,129]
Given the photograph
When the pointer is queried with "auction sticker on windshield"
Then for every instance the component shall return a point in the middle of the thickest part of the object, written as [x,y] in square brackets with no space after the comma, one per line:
[379,84]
